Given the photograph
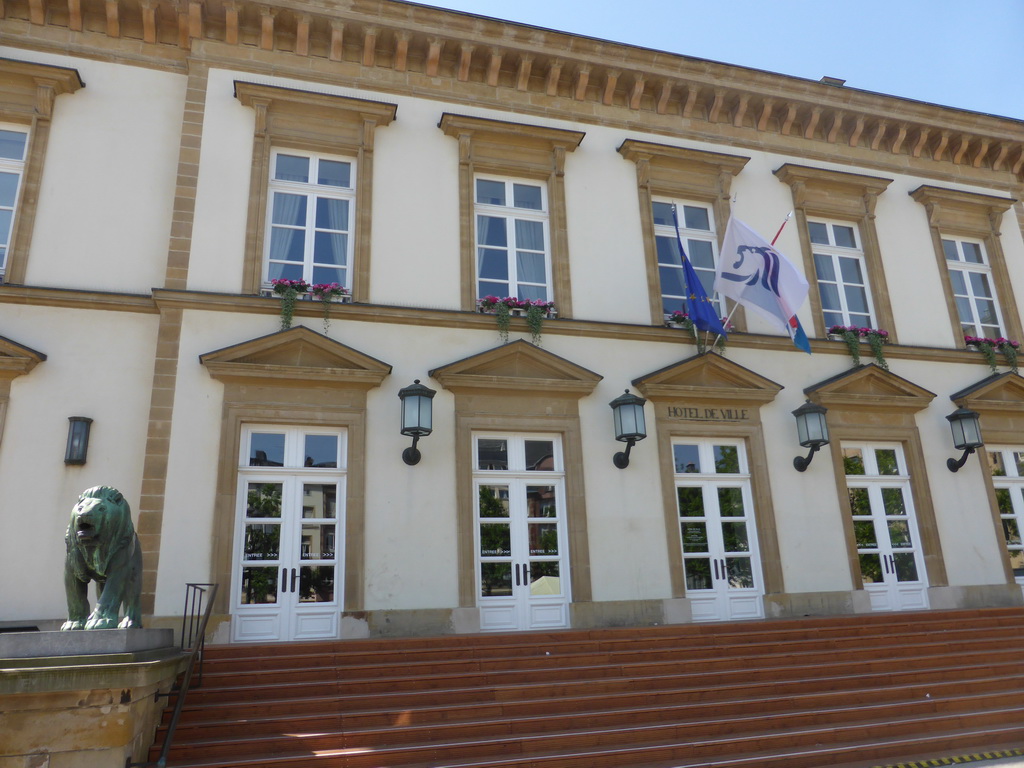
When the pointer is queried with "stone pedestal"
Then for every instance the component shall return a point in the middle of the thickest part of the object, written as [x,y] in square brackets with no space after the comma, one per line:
[83,699]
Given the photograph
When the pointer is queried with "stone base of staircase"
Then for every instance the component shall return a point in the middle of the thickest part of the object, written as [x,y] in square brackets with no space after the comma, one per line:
[848,691]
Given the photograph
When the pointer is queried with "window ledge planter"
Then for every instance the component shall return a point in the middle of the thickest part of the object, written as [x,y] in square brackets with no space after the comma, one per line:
[291,291]
[535,312]
[991,347]
[853,337]
[682,320]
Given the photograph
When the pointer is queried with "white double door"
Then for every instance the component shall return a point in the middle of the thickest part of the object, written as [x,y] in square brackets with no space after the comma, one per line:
[718,532]
[287,582]
[522,565]
[885,527]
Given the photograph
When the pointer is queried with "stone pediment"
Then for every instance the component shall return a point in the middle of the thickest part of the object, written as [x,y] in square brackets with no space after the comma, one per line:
[518,366]
[708,377]
[999,392]
[869,388]
[296,356]
[16,359]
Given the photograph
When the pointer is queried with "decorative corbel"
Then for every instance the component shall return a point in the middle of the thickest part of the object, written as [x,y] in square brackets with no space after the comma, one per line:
[558,156]
[870,201]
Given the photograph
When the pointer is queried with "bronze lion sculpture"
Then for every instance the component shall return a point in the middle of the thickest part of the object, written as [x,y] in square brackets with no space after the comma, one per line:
[102,547]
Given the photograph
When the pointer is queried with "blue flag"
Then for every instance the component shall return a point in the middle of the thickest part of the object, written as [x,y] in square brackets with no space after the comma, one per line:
[698,306]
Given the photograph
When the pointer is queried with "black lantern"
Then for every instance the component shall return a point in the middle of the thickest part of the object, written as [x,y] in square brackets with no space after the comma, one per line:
[966,426]
[78,439]
[811,430]
[417,417]
[628,413]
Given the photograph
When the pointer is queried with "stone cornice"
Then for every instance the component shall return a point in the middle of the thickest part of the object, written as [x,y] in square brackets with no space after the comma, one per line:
[531,70]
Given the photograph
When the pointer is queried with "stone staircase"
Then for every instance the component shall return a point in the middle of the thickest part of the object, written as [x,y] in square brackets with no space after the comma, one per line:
[850,691]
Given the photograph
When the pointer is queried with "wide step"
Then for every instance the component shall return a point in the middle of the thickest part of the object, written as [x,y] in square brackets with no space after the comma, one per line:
[806,692]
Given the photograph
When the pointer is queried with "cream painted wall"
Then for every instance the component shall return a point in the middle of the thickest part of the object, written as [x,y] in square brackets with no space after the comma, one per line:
[100,365]
[104,213]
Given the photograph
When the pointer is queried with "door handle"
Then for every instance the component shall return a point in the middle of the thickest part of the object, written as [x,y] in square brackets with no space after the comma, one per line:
[716,568]
[723,569]
[295,574]
[517,574]
[284,581]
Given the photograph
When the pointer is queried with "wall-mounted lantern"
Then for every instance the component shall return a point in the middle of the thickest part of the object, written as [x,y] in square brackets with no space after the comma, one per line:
[966,426]
[811,430]
[417,417]
[630,427]
[78,439]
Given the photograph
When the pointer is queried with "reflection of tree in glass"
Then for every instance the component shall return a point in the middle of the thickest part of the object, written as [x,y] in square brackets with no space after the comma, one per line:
[691,502]
[730,502]
[264,500]
[262,542]
[853,464]
[892,498]
[490,504]
[734,536]
[259,585]
[316,584]
[548,543]
[886,462]
[870,569]
[1005,503]
[494,540]
[727,459]
[495,578]
[859,504]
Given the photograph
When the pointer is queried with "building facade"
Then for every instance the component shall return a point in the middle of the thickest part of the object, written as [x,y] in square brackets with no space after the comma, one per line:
[161,164]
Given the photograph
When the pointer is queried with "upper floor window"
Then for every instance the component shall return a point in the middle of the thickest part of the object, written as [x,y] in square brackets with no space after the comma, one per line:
[512,247]
[970,277]
[12,166]
[697,228]
[310,218]
[842,274]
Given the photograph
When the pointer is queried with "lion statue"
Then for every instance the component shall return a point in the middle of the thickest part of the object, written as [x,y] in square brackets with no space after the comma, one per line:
[102,547]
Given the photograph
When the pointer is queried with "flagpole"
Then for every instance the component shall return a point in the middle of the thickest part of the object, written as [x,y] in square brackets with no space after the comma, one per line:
[735,305]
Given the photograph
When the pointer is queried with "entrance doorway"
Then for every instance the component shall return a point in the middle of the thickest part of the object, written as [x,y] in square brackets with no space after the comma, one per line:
[522,572]
[717,530]
[885,527]
[287,575]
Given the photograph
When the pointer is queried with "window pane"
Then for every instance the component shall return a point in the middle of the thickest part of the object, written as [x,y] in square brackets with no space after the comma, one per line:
[844,236]
[266,450]
[662,214]
[543,539]
[853,462]
[899,533]
[1011,530]
[529,235]
[691,502]
[818,232]
[870,568]
[701,254]
[949,249]
[540,455]
[491,230]
[851,270]
[492,454]
[1018,460]
[263,500]
[317,542]
[533,292]
[321,451]
[8,191]
[1004,502]
[824,267]
[856,300]
[979,284]
[540,501]
[330,248]
[671,281]
[5,226]
[906,566]
[289,210]
[730,502]
[495,540]
[734,535]
[492,264]
[886,459]
[316,584]
[698,573]
[892,501]
[292,168]
[490,192]
[288,245]
[332,214]
[696,218]
[687,458]
[12,144]
[739,572]
[526,196]
[320,502]
[262,541]
[956,278]
[727,459]
[668,251]
[1017,562]
[331,173]
[830,297]
[972,253]
[279,271]
[530,267]
[328,275]
[864,534]
[987,312]
[545,579]
[495,579]
[259,586]
[493,501]
[859,502]
[695,537]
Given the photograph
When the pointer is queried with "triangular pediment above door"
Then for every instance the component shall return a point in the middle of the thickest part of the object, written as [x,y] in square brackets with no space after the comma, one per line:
[518,366]
[298,356]
[708,377]
[17,359]
[999,392]
[869,388]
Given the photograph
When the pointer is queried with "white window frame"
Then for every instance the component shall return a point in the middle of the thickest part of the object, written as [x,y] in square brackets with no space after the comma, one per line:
[833,252]
[16,167]
[973,325]
[673,302]
[510,213]
[1013,482]
[311,191]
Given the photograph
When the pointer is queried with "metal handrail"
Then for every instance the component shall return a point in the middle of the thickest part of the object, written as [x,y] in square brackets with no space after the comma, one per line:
[193,638]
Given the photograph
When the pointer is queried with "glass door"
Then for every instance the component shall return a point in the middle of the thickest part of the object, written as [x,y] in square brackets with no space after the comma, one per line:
[521,544]
[1006,466]
[885,527]
[717,530]
[288,558]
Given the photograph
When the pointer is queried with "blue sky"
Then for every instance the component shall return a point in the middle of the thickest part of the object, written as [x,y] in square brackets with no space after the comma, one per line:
[960,53]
